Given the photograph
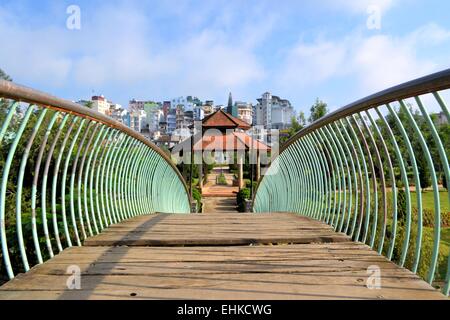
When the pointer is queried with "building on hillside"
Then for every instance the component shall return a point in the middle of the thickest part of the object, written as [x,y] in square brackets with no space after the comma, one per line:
[154,115]
[171,121]
[272,112]
[136,105]
[245,111]
[199,113]
[167,105]
[138,121]
[100,104]
[118,113]
[188,103]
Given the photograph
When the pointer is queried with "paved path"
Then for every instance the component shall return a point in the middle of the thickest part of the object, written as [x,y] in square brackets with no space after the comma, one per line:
[210,189]
[219,256]
[217,205]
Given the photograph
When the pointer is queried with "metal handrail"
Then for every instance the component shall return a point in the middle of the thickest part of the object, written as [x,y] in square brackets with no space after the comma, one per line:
[96,170]
[21,93]
[338,169]
[432,83]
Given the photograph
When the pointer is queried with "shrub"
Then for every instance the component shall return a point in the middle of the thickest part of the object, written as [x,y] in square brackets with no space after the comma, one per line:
[243,195]
[428,217]
[198,197]
[221,180]
[248,184]
[426,250]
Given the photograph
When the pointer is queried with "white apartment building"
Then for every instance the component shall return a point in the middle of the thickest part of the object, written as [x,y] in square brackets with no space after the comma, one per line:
[138,121]
[118,113]
[154,117]
[245,111]
[199,113]
[272,112]
[100,104]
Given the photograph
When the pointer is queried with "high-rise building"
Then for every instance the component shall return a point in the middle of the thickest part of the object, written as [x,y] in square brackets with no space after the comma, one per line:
[272,112]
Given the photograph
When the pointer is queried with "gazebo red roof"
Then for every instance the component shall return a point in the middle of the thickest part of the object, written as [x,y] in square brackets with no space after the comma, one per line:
[223,120]
[235,141]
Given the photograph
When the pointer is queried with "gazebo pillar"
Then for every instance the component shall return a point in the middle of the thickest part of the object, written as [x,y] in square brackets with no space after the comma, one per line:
[258,165]
[241,171]
[200,176]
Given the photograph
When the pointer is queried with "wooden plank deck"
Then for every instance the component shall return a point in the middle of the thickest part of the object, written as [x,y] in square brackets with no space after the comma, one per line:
[219,256]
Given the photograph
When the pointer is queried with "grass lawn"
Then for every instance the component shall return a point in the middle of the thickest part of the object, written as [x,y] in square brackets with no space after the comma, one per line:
[428,200]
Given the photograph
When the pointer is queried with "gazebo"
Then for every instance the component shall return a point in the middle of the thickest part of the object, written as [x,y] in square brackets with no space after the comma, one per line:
[221,133]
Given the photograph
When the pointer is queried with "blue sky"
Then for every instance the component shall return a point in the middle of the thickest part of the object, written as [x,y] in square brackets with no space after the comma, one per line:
[299,49]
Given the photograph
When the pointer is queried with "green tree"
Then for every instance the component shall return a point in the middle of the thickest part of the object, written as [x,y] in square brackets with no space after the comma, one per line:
[296,126]
[318,110]
[4,76]
[89,104]
[301,119]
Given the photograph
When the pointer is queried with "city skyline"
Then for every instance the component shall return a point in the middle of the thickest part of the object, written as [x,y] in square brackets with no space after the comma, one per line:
[160,49]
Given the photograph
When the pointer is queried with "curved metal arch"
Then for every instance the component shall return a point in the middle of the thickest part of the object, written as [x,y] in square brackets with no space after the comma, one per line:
[345,149]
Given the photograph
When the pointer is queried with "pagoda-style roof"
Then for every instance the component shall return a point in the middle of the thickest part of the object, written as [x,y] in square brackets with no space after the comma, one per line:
[234,141]
[222,121]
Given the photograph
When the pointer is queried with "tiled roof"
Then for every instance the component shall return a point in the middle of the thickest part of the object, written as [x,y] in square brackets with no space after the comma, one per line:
[234,141]
[221,119]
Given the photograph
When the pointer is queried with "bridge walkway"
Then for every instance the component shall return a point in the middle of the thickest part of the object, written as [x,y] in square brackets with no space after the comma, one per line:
[219,256]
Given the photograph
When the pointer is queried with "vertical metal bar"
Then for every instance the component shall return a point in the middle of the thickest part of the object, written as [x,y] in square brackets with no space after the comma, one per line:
[418,191]
[23,165]
[4,185]
[383,181]
[35,187]
[72,185]
[90,175]
[437,203]
[55,182]
[444,161]
[63,190]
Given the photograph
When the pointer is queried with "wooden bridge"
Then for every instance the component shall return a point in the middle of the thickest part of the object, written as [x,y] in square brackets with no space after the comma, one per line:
[219,256]
[78,193]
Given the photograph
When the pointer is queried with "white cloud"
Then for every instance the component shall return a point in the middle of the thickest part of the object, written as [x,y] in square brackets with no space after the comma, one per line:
[371,63]
[309,64]
[360,6]
[120,45]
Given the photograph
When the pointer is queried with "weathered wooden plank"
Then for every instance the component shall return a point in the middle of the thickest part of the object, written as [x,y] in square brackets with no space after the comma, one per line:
[344,285]
[126,267]
[216,230]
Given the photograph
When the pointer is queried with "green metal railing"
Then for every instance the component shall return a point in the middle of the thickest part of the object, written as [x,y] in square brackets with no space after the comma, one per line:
[68,172]
[361,169]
